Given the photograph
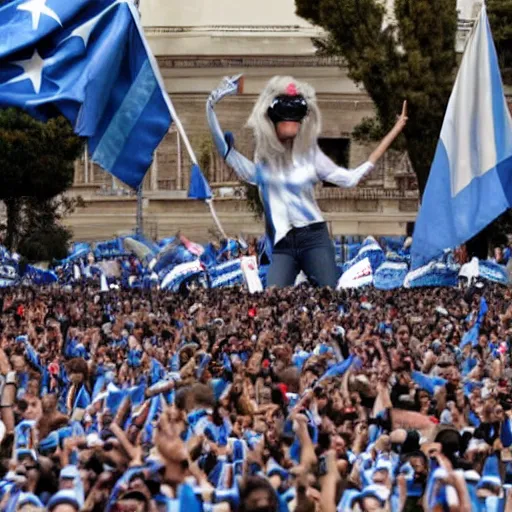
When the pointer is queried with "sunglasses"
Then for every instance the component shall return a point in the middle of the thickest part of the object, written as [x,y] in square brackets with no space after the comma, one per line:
[288,108]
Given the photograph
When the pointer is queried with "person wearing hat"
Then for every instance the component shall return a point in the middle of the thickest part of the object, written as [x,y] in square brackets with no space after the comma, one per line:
[70,479]
[373,497]
[64,501]
[28,502]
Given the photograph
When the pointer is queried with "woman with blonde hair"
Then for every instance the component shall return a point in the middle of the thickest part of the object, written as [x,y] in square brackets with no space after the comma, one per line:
[288,163]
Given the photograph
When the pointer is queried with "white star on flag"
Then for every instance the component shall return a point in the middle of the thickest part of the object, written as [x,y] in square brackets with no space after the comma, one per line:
[85,30]
[36,8]
[32,70]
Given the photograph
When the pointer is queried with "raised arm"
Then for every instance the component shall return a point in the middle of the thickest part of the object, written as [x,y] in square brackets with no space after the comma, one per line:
[328,171]
[391,136]
[244,168]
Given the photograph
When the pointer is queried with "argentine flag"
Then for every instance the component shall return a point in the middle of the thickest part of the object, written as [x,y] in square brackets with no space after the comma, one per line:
[470,181]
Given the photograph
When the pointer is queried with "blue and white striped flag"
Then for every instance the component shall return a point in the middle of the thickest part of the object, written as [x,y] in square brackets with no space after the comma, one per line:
[470,182]
[88,60]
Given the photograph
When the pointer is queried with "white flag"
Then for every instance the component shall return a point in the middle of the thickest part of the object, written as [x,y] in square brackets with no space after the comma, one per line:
[359,275]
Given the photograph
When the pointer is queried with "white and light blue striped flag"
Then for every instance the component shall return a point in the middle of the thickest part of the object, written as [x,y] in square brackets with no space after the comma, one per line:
[470,181]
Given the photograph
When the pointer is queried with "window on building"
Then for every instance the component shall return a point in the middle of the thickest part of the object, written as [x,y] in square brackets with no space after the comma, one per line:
[338,150]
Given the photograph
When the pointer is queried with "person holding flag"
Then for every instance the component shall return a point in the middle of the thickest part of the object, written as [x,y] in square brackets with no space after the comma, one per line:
[288,164]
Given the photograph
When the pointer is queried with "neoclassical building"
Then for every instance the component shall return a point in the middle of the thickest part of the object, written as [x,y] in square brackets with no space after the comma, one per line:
[196,44]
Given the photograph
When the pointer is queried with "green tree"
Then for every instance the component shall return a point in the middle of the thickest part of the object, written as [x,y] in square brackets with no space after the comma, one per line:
[43,238]
[36,165]
[409,57]
[254,200]
[205,159]
[500,18]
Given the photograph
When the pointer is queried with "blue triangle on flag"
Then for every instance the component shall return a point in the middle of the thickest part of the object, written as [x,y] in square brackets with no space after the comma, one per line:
[198,186]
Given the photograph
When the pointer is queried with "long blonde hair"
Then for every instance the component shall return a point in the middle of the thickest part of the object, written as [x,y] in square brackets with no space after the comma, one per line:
[268,147]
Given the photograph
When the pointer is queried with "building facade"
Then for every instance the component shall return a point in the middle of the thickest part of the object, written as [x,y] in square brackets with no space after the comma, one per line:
[198,43]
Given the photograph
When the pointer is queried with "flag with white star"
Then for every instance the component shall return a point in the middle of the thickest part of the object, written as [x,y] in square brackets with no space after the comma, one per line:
[87,60]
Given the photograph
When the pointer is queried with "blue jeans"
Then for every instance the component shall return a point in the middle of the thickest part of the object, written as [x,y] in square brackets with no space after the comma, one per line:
[309,249]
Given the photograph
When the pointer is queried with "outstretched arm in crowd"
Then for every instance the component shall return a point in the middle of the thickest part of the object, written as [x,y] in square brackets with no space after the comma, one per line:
[194,445]
[133,450]
[383,400]
[307,449]
[456,486]
[329,483]
[122,412]
[7,401]
[172,449]
[98,495]
[344,386]
[428,362]
[508,500]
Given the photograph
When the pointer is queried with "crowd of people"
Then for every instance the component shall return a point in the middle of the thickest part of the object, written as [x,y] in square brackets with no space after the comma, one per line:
[294,399]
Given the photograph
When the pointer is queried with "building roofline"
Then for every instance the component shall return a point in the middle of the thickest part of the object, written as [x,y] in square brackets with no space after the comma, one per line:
[247,61]
[462,24]
[233,29]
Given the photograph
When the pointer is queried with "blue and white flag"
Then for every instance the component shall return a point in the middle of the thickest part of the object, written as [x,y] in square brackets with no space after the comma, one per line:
[390,275]
[88,60]
[470,182]
[370,249]
[472,335]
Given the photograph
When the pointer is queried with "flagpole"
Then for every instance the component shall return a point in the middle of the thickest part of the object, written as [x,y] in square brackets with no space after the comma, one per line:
[86,164]
[174,116]
[192,156]
[140,220]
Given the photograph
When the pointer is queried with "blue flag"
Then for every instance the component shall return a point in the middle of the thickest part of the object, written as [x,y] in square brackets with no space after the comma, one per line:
[470,182]
[483,310]
[88,60]
[339,369]
[83,399]
[198,186]
[472,335]
[426,382]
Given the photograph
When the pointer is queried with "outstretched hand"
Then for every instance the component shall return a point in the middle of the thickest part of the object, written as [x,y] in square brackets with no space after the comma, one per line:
[402,119]
[234,83]
[168,440]
[391,136]
[134,451]
[229,87]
